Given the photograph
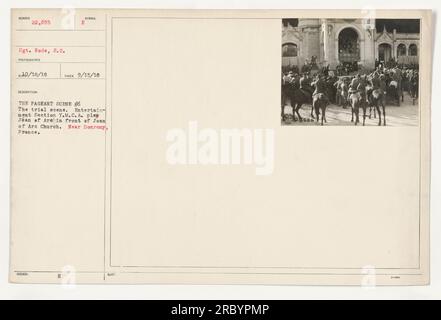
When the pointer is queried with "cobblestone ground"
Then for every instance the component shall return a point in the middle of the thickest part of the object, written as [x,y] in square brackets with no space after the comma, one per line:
[404,115]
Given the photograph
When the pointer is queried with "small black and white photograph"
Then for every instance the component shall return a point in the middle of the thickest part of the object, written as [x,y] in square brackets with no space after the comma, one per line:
[350,72]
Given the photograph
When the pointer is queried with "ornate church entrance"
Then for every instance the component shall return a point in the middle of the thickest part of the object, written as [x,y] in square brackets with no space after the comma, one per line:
[348,46]
[384,52]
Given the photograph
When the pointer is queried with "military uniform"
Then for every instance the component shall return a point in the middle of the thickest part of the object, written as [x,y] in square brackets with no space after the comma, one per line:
[375,81]
[382,84]
[305,85]
[398,77]
[361,88]
[320,88]
[354,83]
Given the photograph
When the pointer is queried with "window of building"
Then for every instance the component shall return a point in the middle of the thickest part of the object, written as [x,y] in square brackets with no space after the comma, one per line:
[401,50]
[413,50]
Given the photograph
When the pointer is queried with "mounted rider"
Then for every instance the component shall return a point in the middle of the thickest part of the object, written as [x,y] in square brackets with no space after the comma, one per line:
[320,89]
[354,84]
[378,83]
[305,84]
[361,88]
[398,77]
[383,85]
[375,81]
[295,81]
[338,87]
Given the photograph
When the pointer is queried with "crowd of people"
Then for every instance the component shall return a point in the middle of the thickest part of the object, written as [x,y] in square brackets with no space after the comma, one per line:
[392,80]
[344,69]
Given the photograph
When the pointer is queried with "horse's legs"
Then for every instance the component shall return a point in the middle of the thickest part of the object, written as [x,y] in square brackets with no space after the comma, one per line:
[324,113]
[312,110]
[282,114]
[384,114]
[371,106]
[297,111]
[317,111]
[352,112]
[379,113]
[357,111]
[364,113]
[293,107]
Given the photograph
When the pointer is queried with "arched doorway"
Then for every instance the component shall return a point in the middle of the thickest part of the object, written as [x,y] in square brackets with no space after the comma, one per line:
[384,52]
[348,46]
[290,53]
[289,50]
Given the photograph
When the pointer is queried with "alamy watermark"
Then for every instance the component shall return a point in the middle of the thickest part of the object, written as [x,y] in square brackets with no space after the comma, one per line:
[208,146]
[369,277]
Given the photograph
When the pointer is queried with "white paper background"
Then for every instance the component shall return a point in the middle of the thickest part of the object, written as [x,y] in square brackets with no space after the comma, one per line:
[9,291]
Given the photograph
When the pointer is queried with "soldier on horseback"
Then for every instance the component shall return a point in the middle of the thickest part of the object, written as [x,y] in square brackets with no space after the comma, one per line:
[383,86]
[398,77]
[305,84]
[377,94]
[354,84]
[319,98]
[358,99]
[320,88]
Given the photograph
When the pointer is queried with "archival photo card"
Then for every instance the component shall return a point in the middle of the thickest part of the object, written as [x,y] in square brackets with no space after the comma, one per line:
[279,147]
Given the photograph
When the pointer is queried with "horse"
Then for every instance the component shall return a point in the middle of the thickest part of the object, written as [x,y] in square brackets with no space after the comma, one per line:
[376,98]
[356,99]
[319,104]
[298,97]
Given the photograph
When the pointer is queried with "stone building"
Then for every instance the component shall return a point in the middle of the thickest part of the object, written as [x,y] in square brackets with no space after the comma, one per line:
[334,41]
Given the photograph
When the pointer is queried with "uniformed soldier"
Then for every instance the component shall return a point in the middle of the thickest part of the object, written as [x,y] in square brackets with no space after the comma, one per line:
[305,84]
[353,85]
[398,77]
[355,82]
[295,81]
[361,88]
[383,86]
[382,82]
[320,88]
[375,81]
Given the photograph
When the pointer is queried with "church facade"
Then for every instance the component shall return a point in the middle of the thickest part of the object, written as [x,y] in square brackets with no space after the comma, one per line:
[338,41]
